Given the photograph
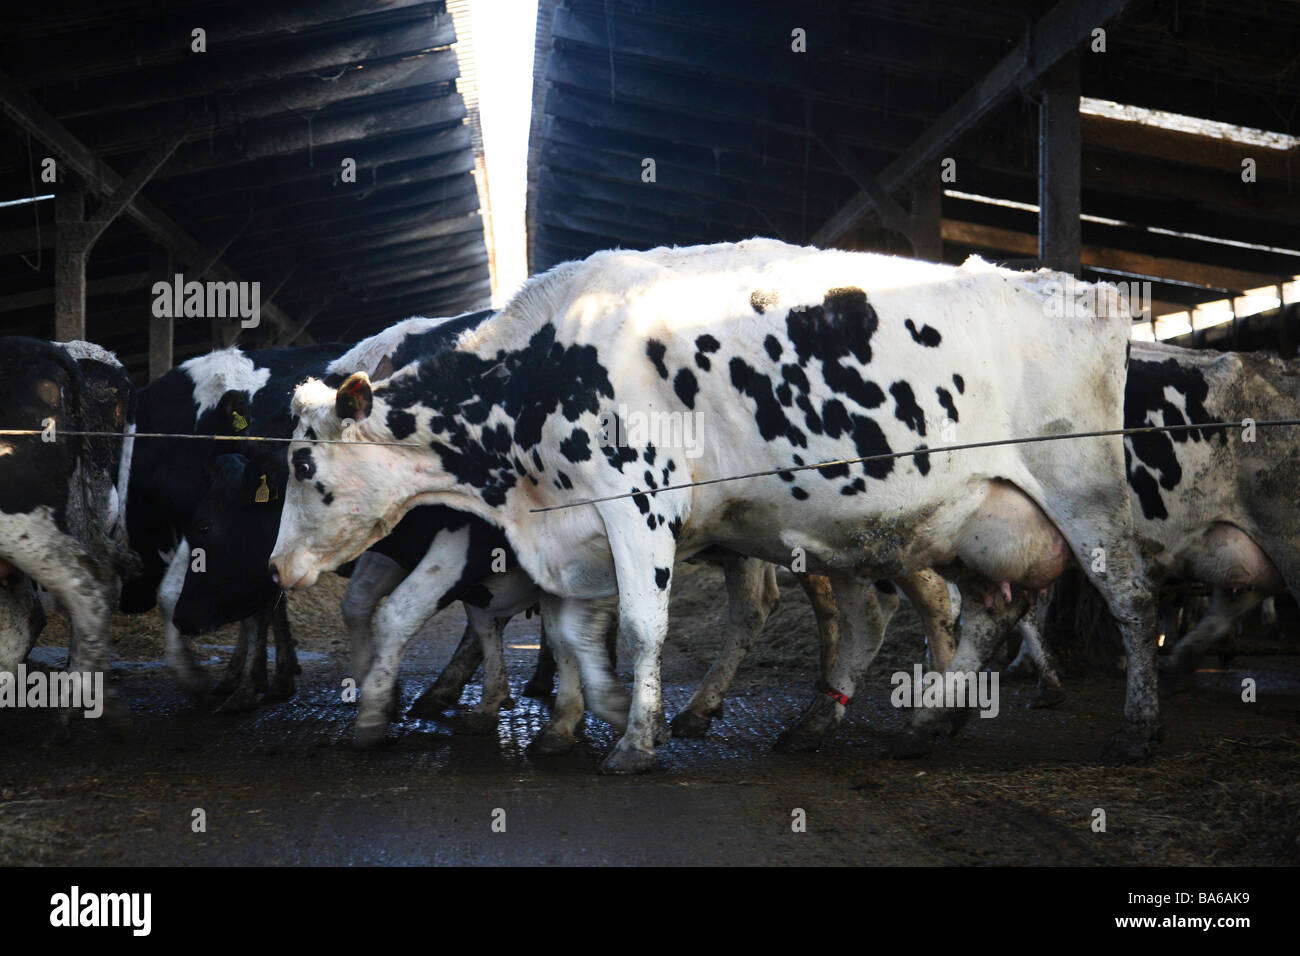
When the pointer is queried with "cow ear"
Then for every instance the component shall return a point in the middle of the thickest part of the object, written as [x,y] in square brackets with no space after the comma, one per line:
[233,415]
[383,370]
[354,397]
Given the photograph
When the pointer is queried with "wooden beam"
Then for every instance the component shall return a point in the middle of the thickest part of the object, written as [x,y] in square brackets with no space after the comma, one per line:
[69,263]
[1059,151]
[114,285]
[925,223]
[161,328]
[1052,38]
[1113,260]
[104,182]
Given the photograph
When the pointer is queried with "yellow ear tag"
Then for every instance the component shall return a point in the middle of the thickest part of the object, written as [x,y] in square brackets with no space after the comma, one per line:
[239,422]
[263,493]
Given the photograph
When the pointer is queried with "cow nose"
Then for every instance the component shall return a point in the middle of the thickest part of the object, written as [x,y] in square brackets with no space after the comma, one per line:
[275,574]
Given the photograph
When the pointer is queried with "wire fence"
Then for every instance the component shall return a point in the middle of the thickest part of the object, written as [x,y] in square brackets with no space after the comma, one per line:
[816,466]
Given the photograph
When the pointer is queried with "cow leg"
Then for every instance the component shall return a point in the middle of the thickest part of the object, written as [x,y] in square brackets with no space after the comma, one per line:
[445,692]
[80,584]
[643,566]
[252,675]
[983,630]
[230,678]
[750,587]
[539,686]
[1044,662]
[286,654]
[863,618]
[483,717]
[568,622]
[1226,609]
[927,592]
[1105,546]
[179,657]
[827,613]
[374,577]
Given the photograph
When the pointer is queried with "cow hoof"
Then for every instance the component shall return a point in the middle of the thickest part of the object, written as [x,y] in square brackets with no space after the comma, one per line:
[799,739]
[281,690]
[241,701]
[538,689]
[551,743]
[628,760]
[430,706]
[475,724]
[1017,672]
[690,724]
[1047,697]
[1126,747]
[909,744]
[369,736]
[663,733]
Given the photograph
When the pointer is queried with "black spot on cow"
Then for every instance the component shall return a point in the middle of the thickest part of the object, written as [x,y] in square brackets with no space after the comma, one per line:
[840,328]
[799,493]
[960,382]
[686,387]
[905,408]
[927,336]
[401,423]
[662,577]
[771,419]
[763,299]
[675,526]
[784,395]
[528,385]
[656,351]
[325,496]
[1146,399]
[642,502]
[563,481]
[705,345]
[652,521]
[922,462]
[537,462]
[649,453]
[650,479]
[854,487]
[773,347]
[945,400]
[577,447]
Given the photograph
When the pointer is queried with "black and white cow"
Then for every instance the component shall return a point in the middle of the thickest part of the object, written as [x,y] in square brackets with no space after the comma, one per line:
[460,558]
[227,392]
[59,513]
[1214,506]
[792,356]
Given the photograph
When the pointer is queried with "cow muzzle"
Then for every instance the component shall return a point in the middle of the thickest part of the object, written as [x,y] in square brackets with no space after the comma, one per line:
[294,573]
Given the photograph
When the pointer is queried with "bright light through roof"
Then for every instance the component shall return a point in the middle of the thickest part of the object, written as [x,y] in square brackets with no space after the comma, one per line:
[1187,124]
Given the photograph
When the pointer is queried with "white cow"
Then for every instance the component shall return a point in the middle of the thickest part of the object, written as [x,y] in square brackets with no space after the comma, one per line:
[586,384]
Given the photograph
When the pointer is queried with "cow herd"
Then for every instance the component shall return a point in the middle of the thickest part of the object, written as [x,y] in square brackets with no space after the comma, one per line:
[533,458]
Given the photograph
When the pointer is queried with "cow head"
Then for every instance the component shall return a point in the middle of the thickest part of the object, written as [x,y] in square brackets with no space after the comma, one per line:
[347,488]
[230,538]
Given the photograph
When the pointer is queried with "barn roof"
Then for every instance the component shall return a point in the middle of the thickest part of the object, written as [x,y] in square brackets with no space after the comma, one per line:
[232,162]
[750,137]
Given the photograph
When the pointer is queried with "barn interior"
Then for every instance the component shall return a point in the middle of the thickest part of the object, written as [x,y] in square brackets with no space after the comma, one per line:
[332,151]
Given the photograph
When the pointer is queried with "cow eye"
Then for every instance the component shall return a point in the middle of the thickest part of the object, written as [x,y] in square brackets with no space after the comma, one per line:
[303,470]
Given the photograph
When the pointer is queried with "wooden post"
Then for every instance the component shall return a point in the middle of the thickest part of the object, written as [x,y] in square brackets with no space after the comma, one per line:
[926,232]
[69,263]
[161,329]
[1059,136]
